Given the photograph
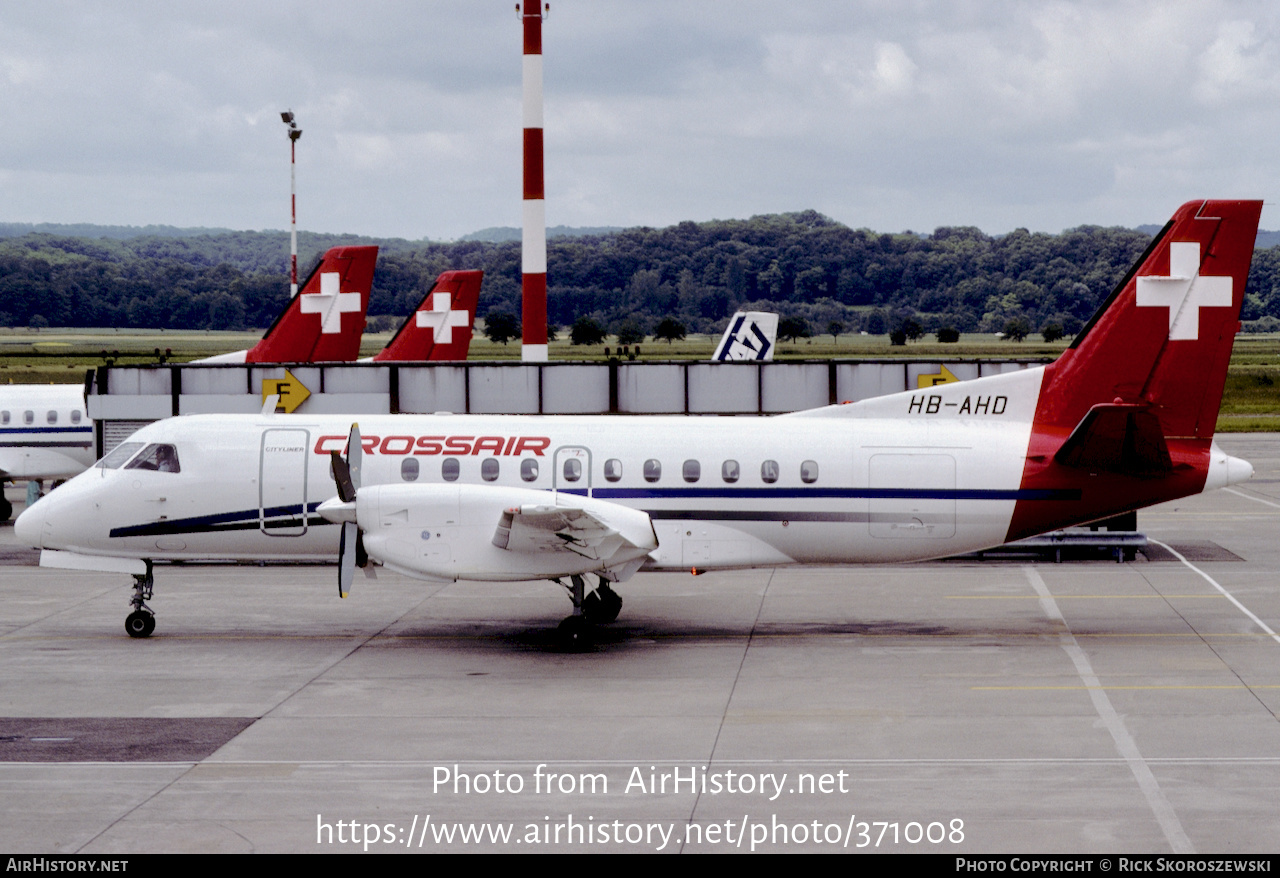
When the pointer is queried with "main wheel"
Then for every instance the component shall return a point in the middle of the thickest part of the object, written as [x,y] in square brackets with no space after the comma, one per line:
[601,606]
[140,623]
[574,634]
[6,508]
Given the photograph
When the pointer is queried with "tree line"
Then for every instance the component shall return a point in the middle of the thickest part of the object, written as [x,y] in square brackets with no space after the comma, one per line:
[803,265]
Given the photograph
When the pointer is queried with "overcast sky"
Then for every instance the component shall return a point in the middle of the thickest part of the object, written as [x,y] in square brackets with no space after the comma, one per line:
[887,115]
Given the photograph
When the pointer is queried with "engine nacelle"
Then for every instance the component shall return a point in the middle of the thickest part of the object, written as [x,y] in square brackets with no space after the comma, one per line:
[479,532]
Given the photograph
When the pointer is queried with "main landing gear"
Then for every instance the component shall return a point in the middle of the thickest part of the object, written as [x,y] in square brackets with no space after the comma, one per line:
[142,621]
[600,607]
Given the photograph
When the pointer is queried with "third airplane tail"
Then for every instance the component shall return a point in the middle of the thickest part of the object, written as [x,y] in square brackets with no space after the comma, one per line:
[440,328]
[325,321]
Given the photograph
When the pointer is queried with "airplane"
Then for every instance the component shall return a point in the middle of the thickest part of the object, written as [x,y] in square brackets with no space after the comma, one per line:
[44,434]
[1124,419]
[750,335]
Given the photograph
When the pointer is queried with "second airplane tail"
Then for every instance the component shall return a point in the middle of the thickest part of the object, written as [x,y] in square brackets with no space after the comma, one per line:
[440,328]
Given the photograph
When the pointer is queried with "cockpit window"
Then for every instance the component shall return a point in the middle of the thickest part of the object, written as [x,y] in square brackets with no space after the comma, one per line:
[161,458]
[119,455]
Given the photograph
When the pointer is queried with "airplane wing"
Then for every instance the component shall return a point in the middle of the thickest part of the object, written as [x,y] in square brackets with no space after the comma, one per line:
[541,529]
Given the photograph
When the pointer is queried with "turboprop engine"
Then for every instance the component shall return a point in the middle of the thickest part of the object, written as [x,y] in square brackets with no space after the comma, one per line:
[481,532]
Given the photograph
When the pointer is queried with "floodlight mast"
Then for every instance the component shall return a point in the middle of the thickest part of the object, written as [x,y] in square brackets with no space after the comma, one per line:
[294,133]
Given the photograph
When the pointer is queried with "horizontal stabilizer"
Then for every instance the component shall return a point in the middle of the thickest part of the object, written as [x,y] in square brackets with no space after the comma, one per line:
[1118,438]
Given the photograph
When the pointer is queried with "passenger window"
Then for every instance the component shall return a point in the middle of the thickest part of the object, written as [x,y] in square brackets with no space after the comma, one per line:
[52,417]
[809,472]
[769,472]
[572,469]
[613,469]
[449,469]
[28,417]
[692,471]
[489,469]
[4,417]
[729,471]
[119,455]
[529,469]
[75,416]
[161,458]
[409,469]
[652,470]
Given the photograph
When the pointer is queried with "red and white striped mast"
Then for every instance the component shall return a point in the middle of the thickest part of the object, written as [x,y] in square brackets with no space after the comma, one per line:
[294,133]
[533,260]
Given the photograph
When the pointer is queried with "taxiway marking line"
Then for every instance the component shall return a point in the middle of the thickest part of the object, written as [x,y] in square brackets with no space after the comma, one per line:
[1251,497]
[1125,745]
[1209,579]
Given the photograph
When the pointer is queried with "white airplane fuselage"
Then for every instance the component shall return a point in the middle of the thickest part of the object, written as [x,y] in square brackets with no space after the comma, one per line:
[44,432]
[901,477]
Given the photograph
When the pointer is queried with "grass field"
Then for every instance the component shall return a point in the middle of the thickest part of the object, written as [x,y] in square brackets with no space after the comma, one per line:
[51,356]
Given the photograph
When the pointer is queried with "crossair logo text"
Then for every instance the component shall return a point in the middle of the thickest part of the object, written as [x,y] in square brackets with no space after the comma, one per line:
[495,446]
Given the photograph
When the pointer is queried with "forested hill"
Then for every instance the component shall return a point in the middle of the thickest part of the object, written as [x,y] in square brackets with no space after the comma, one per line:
[800,264]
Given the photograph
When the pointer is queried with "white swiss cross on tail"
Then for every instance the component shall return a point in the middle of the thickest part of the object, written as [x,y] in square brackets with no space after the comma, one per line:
[441,319]
[330,303]
[1184,292]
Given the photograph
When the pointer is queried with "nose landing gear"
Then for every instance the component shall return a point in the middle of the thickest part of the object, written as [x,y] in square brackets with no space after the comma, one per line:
[142,621]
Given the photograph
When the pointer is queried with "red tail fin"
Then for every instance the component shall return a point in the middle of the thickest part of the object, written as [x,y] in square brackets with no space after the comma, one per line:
[1164,336]
[440,329]
[325,320]
[1126,415]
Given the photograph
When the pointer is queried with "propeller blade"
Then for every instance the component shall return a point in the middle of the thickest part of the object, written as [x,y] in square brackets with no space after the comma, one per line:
[347,557]
[346,475]
[342,477]
[355,456]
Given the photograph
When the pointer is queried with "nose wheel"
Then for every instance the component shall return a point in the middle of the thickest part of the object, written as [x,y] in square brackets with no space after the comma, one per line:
[142,621]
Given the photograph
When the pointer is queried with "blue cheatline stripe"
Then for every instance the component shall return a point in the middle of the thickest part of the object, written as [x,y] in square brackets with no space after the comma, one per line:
[8,431]
[226,521]
[249,519]
[829,493]
[44,444]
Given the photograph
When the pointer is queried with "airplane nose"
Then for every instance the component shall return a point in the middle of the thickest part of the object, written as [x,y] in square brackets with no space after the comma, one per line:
[30,523]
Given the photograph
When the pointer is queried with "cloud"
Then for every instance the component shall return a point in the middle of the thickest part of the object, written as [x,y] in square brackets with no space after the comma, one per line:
[910,114]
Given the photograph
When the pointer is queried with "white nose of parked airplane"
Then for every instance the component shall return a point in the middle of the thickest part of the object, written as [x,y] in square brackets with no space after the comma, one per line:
[29,525]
